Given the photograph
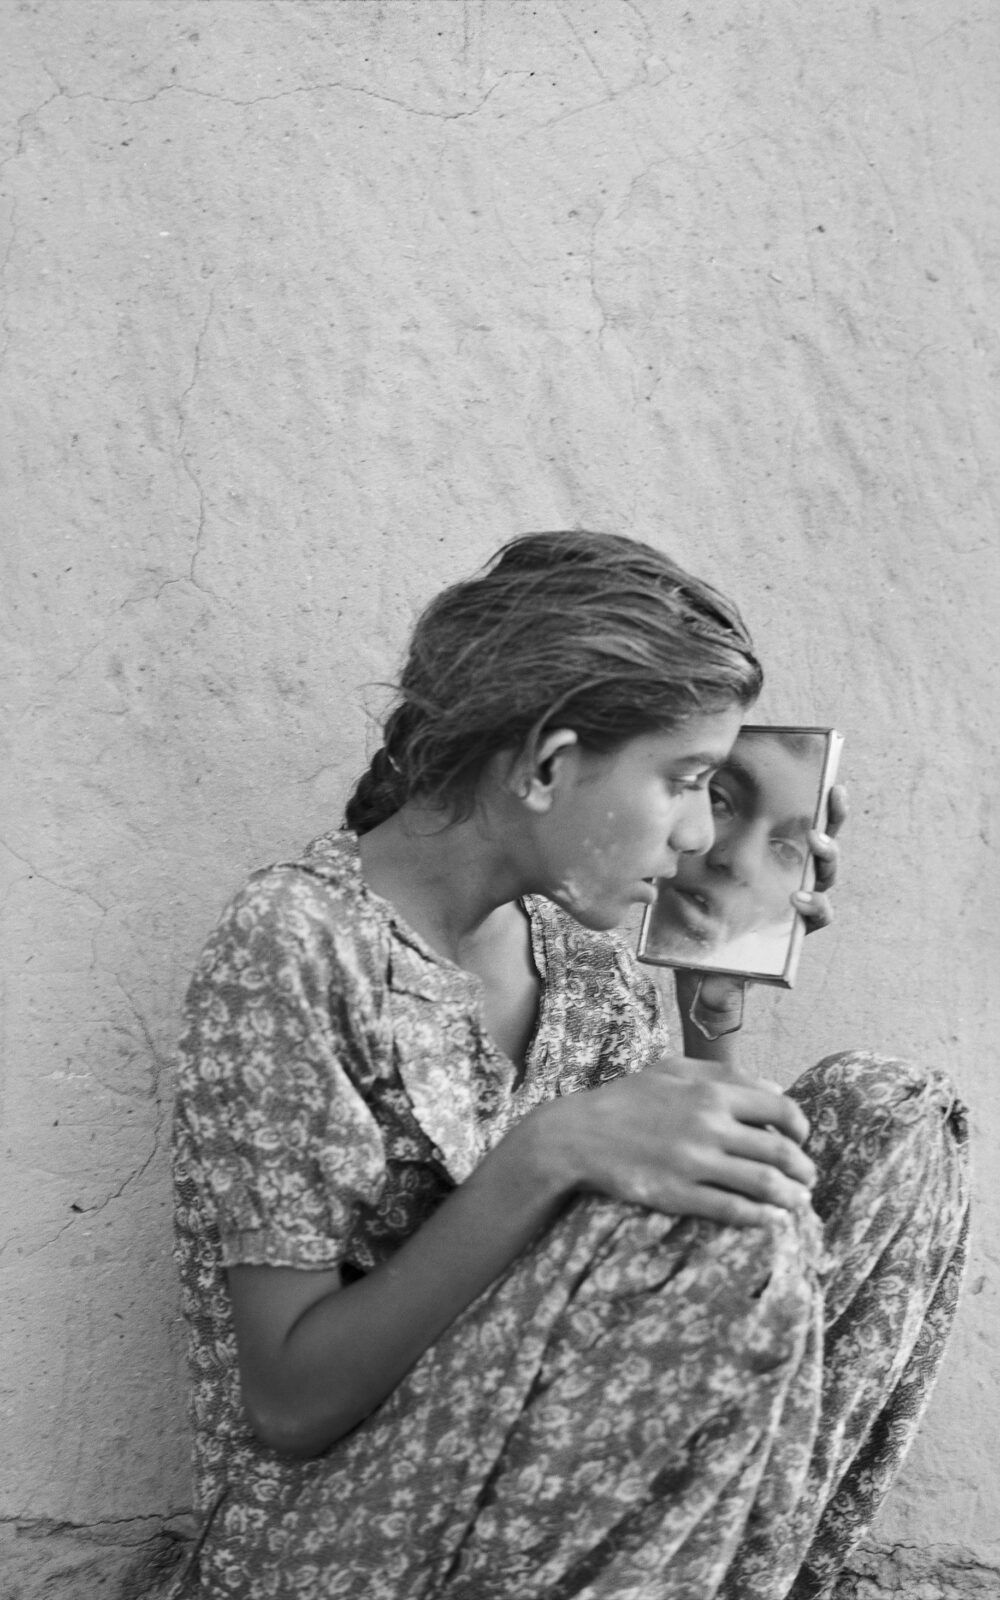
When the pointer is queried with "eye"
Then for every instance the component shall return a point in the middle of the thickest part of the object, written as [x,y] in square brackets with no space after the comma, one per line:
[789,855]
[693,784]
[722,805]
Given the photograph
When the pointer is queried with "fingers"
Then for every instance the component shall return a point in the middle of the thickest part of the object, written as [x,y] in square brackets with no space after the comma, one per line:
[765,1146]
[826,857]
[762,1108]
[815,909]
[756,1180]
[730,1207]
[814,905]
[691,1143]
[731,1210]
[837,809]
[730,1093]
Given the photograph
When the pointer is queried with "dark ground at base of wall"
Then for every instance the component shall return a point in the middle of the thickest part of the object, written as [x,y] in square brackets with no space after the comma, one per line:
[942,1572]
[124,1560]
[137,1561]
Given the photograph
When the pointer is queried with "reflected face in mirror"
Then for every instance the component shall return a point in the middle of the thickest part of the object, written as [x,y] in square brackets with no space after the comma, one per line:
[763,800]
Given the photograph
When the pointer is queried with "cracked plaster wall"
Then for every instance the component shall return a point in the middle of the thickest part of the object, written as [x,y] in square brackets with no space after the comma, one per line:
[306,307]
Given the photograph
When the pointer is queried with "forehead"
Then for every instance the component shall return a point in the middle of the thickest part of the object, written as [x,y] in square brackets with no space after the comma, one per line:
[704,740]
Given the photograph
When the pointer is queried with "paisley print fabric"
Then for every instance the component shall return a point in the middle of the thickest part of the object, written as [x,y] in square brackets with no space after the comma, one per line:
[643,1407]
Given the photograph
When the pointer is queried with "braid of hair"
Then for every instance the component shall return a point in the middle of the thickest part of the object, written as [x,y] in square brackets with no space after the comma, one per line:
[375,795]
[381,790]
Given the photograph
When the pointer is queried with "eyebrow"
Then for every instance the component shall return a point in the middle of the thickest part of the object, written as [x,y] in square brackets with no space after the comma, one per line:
[702,758]
[795,825]
[733,766]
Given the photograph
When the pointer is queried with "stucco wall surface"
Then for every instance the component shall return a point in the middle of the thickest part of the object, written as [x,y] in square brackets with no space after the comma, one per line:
[306,307]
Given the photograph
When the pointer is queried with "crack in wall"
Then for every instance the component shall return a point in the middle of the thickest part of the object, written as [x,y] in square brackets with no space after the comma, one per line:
[643,23]
[186,454]
[79,1211]
[30,1527]
[900,1568]
[66,888]
[333,85]
[159,1063]
[594,291]
[581,41]
[4,266]
[21,126]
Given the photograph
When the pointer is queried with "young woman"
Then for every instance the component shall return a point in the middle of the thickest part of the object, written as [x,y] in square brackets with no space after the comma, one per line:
[490,1296]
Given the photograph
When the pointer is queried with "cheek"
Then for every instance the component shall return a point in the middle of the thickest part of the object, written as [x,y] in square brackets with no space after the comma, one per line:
[607,852]
[773,890]
[602,854]
[611,835]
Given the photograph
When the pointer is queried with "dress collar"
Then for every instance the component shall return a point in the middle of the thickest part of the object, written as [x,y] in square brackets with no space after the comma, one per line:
[461,1087]
[415,967]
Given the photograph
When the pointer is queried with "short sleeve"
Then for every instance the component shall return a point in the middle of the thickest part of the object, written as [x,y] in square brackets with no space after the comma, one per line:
[281,1021]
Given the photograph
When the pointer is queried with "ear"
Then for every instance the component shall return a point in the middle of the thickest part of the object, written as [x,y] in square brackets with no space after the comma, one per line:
[535,779]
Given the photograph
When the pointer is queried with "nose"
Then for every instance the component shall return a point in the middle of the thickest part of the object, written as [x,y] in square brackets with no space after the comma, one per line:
[735,853]
[693,830]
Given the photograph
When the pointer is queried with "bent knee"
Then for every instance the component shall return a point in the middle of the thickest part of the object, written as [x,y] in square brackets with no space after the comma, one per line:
[865,1108]
[870,1085]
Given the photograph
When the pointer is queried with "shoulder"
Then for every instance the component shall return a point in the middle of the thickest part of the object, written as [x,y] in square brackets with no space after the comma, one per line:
[299,937]
[314,904]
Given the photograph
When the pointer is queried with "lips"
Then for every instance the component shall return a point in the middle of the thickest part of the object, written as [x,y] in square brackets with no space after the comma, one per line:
[695,913]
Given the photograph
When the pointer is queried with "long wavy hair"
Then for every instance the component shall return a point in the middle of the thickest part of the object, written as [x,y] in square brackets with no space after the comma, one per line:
[589,631]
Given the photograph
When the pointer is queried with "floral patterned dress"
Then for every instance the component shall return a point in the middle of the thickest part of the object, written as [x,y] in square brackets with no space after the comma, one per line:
[642,1407]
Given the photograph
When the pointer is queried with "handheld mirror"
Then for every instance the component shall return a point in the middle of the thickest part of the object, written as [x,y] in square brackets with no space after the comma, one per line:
[728,910]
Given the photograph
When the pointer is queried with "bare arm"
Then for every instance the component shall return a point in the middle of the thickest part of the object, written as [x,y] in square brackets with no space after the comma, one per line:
[316,1358]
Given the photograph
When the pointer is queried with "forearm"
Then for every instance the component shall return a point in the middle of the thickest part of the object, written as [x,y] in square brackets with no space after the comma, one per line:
[348,1350]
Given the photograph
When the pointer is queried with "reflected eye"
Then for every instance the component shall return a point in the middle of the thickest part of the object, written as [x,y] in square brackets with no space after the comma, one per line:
[722,806]
[789,855]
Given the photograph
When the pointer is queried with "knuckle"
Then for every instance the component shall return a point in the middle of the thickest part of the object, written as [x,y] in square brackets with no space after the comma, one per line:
[737,1212]
[777,1152]
[772,1187]
[710,1095]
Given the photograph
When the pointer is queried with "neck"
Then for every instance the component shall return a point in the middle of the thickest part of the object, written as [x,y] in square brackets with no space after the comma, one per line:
[449,880]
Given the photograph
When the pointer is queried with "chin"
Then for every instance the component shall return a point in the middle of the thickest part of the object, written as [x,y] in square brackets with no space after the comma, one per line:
[599,919]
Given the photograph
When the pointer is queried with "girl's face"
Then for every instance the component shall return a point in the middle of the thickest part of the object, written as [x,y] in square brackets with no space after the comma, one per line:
[617,821]
[762,802]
